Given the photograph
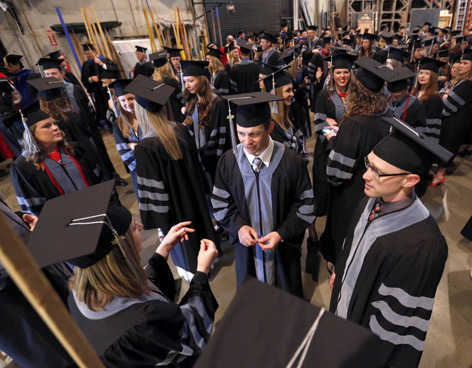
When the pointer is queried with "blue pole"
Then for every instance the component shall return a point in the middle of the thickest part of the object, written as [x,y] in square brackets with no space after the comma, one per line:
[68,38]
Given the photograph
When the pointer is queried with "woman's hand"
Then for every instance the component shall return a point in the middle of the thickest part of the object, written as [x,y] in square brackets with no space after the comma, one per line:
[331,122]
[177,233]
[206,255]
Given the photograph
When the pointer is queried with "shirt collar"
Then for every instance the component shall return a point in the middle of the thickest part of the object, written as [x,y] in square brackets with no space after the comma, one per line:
[264,156]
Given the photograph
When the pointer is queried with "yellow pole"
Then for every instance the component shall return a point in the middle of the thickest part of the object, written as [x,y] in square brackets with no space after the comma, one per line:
[105,44]
[151,36]
[155,28]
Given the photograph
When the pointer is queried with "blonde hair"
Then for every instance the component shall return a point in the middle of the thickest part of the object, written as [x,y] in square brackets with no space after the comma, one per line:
[119,273]
[283,115]
[165,70]
[162,127]
[461,77]
[215,66]
[294,68]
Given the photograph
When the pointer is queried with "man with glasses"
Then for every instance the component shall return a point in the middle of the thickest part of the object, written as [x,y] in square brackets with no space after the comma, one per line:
[394,253]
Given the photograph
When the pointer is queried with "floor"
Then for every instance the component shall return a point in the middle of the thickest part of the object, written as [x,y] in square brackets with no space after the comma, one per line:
[449,339]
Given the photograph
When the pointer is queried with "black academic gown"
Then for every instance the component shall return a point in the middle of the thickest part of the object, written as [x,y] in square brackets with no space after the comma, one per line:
[89,69]
[326,107]
[245,76]
[289,209]
[175,100]
[433,108]
[411,111]
[356,138]
[315,85]
[151,330]
[174,191]
[457,116]
[394,275]
[70,77]
[221,83]
[34,187]
[215,138]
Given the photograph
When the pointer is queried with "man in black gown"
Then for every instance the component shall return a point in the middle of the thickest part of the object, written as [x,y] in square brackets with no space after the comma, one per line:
[394,253]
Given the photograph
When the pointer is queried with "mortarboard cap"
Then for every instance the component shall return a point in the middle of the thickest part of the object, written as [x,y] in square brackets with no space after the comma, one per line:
[428,41]
[230,47]
[313,28]
[368,36]
[12,59]
[277,76]
[158,58]
[372,74]
[245,46]
[408,149]
[172,52]
[211,43]
[49,87]
[55,54]
[455,33]
[119,86]
[401,80]
[397,53]
[459,39]
[88,46]
[443,53]
[427,24]
[327,40]
[193,68]
[431,64]
[398,37]
[6,85]
[150,94]
[55,238]
[252,108]
[341,59]
[387,36]
[335,342]
[215,53]
[31,113]
[47,63]
[268,37]
[141,49]
[467,55]
[289,54]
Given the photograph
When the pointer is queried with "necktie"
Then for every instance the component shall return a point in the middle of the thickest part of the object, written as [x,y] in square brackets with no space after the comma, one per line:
[376,211]
[256,165]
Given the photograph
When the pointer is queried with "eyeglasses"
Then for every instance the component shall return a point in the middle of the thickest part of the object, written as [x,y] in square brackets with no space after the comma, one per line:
[376,172]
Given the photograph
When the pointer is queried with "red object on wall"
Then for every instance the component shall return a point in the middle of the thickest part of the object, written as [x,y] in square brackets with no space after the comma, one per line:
[52,39]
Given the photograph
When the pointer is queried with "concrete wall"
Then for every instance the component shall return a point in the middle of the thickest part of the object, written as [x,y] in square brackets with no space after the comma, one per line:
[42,14]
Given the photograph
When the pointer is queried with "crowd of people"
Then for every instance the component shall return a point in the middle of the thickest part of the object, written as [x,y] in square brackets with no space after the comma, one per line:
[217,149]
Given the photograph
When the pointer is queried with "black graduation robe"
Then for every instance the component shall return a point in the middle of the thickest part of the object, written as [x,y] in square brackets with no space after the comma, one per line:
[326,107]
[146,69]
[151,330]
[286,204]
[291,137]
[70,77]
[411,111]
[89,69]
[457,116]
[221,83]
[356,137]
[33,187]
[245,75]
[387,275]
[174,191]
[433,108]
[176,101]
[315,85]
[215,138]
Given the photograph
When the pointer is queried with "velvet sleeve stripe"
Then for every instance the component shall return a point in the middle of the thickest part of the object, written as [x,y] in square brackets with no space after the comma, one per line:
[30,205]
[407,300]
[152,195]
[219,201]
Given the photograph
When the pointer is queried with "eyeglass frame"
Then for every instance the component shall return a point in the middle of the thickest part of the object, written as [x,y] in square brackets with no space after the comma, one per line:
[379,175]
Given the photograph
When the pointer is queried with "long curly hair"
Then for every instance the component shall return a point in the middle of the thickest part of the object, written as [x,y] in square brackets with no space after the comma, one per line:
[55,107]
[204,106]
[37,158]
[361,101]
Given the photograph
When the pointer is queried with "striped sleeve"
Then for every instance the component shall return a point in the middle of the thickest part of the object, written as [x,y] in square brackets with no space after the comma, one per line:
[154,202]
[126,153]
[459,96]
[224,208]
[29,198]
[401,309]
